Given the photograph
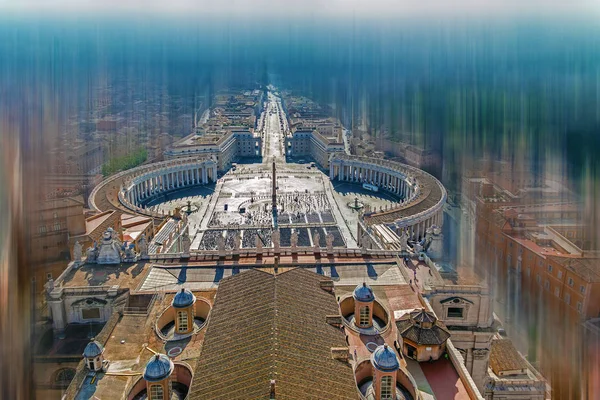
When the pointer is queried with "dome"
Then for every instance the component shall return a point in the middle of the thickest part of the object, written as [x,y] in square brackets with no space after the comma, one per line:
[93,349]
[158,368]
[423,317]
[385,359]
[183,298]
[363,293]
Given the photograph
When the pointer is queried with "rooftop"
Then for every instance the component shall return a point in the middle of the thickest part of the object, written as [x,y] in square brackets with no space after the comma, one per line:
[124,275]
[587,268]
[290,342]
[504,357]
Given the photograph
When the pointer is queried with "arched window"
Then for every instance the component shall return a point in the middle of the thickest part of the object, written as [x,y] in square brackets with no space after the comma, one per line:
[182,320]
[63,377]
[364,316]
[156,392]
[386,387]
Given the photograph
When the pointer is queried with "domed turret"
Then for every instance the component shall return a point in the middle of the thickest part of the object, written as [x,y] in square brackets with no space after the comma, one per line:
[183,299]
[93,349]
[183,302]
[158,368]
[363,293]
[93,354]
[385,368]
[157,373]
[363,306]
[385,359]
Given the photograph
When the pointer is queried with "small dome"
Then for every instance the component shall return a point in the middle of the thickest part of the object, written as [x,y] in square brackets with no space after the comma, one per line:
[423,317]
[363,293]
[93,349]
[384,359]
[158,368]
[183,298]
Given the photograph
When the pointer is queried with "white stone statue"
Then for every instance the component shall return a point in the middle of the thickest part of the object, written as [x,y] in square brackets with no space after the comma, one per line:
[143,246]
[329,239]
[404,241]
[186,242]
[258,243]
[221,246]
[110,248]
[294,240]
[275,238]
[316,240]
[92,253]
[77,248]
[237,240]
[364,241]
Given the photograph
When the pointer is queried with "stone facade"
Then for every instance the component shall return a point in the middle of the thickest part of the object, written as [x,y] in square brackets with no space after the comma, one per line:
[467,312]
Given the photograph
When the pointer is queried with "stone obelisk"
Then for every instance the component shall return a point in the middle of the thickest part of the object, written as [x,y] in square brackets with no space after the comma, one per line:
[274,196]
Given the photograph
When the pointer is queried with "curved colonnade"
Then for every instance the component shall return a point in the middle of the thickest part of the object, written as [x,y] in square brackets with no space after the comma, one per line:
[155,179]
[140,184]
[423,196]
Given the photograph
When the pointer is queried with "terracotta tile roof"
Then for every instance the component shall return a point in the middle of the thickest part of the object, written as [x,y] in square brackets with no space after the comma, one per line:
[505,357]
[265,327]
[408,328]
[586,268]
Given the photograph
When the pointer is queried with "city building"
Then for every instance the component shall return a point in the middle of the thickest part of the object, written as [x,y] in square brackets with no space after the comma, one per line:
[268,280]
[314,145]
[511,376]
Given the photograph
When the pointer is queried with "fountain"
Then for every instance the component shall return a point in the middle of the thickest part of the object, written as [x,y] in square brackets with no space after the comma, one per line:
[356,204]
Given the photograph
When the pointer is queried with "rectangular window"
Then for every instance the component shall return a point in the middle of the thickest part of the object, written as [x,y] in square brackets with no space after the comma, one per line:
[571,282]
[556,292]
[182,320]
[559,274]
[455,312]
[364,316]
[49,275]
[90,313]
[579,306]
[386,387]
[549,268]
[582,289]
[547,284]
[156,392]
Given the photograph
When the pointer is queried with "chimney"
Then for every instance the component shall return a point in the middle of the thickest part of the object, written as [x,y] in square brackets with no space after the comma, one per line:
[340,353]
[334,320]
[272,394]
[327,285]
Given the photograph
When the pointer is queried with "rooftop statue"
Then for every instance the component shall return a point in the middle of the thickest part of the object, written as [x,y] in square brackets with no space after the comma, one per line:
[329,238]
[404,241]
[109,251]
[92,253]
[294,239]
[143,245]
[77,250]
[258,242]
[186,242]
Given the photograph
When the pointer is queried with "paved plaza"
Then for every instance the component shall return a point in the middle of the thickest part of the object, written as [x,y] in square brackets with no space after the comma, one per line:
[240,203]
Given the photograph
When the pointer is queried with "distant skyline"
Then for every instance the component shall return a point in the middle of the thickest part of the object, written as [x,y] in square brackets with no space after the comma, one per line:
[311,8]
